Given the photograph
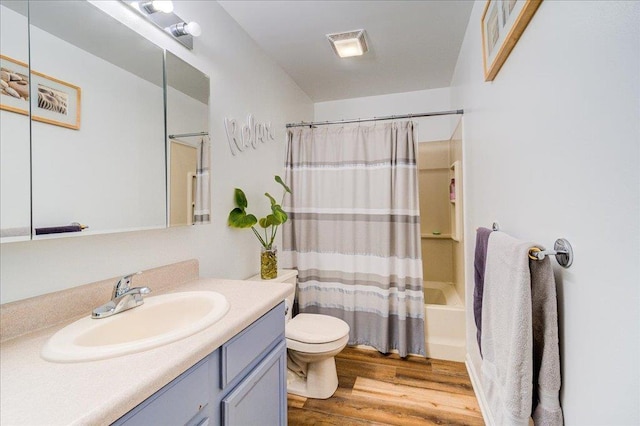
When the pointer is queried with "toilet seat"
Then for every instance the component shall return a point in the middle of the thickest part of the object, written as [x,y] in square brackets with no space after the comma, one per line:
[316,333]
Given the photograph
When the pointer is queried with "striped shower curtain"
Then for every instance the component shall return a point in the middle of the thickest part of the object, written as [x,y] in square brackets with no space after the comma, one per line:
[354,231]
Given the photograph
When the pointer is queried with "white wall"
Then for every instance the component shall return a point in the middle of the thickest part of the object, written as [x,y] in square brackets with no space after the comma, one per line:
[429,129]
[243,80]
[551,149]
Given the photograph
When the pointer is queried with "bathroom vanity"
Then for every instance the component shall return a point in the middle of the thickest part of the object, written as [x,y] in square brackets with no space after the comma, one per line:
[232,372]
[241,383]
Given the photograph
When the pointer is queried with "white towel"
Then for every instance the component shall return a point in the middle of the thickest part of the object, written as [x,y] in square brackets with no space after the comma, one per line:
[507,343]
[546,350]
[520,335]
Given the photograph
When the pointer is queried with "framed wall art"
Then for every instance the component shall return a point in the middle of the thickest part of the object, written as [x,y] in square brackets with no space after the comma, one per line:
[55,101]
[14,95]
[503,22]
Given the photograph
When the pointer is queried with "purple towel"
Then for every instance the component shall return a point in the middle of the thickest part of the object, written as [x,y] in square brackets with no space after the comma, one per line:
[58,229]
[479,264]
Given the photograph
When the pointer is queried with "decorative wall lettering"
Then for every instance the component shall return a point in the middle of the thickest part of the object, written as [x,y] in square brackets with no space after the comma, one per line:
[248,135]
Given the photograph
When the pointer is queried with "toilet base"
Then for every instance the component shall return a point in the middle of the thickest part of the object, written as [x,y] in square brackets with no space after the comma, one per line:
[321,381]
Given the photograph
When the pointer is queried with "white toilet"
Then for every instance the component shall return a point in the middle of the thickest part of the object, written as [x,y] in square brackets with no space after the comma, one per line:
[312,342]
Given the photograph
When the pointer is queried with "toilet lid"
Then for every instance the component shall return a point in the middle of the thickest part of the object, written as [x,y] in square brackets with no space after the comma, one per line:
[316,328]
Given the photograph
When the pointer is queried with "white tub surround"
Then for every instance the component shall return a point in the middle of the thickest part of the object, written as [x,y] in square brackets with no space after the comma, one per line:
[444,327]
[34,391]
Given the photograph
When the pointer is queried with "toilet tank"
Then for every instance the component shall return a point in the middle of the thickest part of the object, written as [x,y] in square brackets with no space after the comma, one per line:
[284,276]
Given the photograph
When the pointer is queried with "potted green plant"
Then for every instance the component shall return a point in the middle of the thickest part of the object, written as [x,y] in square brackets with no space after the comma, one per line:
[239,218]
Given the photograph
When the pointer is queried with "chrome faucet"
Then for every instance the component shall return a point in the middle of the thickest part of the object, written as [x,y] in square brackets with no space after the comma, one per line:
[123,297]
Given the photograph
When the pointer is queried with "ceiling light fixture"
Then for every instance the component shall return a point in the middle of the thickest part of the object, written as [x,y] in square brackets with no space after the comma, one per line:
[182,29]
[157,6]
[167,21]
[351,43]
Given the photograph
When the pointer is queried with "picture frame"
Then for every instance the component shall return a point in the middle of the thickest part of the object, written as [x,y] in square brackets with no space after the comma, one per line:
[14,94]
[55,101]
[52,101]
[502,24]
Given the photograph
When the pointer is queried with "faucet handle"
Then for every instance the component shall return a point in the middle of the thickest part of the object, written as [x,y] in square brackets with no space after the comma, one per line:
[123,285]
[140,290]
[137,293]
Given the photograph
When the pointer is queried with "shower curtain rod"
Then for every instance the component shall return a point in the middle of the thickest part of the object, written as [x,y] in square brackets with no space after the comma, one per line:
[388,117]
[188,135]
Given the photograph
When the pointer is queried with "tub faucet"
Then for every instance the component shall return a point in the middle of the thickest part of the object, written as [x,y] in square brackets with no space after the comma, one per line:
[123,298]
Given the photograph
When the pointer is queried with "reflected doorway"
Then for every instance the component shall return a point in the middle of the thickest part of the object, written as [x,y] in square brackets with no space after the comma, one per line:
[182,183]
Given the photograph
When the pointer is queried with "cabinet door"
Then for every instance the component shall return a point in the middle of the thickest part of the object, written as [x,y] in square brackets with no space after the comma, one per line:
[261,398]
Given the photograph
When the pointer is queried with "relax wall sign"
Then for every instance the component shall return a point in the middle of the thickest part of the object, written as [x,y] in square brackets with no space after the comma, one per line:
[249,135]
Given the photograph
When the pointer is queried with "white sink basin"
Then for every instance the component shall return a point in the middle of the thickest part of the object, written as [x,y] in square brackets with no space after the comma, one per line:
[160,320]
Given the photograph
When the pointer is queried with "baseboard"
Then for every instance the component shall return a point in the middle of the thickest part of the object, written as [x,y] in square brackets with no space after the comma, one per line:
[477,388]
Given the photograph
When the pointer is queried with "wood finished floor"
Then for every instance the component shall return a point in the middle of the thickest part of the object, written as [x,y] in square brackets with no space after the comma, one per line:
[377,389]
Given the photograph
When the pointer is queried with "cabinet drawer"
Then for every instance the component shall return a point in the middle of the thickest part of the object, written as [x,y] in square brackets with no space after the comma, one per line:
[176,403]
[247,347]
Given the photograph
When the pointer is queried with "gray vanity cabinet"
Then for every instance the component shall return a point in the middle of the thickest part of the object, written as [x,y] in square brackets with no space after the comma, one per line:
[241,383]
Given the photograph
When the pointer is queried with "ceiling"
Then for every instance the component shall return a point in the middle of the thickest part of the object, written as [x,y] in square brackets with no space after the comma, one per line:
[413,45]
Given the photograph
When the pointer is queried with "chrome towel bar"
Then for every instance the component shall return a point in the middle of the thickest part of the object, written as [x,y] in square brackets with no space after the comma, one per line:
[562,250]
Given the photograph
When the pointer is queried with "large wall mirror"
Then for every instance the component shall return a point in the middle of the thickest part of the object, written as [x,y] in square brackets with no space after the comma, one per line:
[15,174]
[99,159]
[97,138]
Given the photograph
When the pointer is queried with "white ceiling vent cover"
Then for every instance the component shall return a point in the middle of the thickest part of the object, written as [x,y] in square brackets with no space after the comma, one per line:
[348,44]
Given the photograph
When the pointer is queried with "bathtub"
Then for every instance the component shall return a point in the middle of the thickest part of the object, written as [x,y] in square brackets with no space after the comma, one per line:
[444,322]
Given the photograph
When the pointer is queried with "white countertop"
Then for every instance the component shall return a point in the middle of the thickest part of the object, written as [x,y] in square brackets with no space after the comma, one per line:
[37,392]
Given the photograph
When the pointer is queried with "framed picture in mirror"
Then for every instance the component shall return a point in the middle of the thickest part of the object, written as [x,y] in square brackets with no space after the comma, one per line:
[57,102]
[14,95]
